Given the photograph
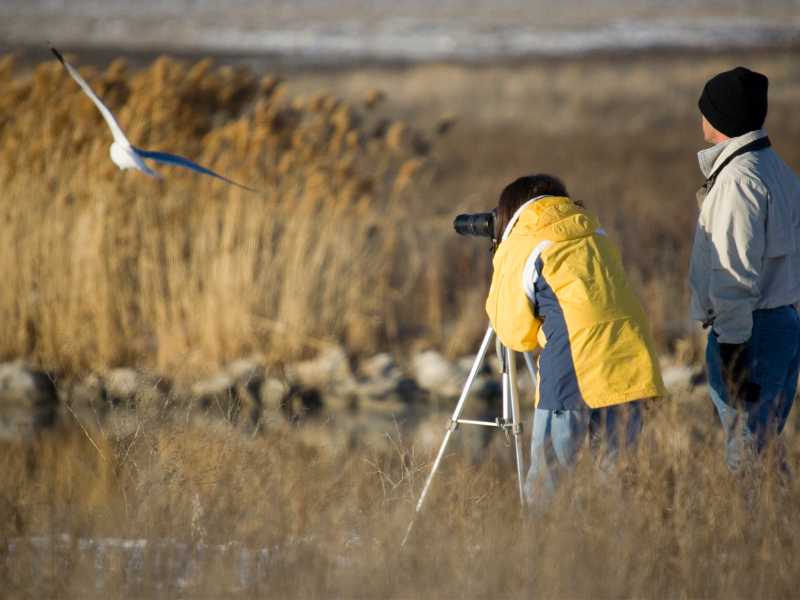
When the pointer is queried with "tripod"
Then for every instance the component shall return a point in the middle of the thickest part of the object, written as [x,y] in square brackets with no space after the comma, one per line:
[510,420]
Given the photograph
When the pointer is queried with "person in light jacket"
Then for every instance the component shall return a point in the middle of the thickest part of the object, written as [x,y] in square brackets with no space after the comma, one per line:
[559,285]
[745,265]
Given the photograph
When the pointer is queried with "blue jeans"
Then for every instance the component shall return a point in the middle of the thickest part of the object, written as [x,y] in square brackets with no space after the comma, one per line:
[559,435]
[773,352]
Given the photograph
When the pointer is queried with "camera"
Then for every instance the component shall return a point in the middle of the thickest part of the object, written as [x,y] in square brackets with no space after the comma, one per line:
[479,224]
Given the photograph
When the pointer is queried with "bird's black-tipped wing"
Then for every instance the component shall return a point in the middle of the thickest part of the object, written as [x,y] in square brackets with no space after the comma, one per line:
[116,130]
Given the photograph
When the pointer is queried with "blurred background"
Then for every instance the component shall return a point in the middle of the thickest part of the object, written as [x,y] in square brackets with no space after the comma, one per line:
[320,31]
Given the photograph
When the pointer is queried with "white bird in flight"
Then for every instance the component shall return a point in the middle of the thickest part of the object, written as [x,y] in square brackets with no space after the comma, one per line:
[123,153]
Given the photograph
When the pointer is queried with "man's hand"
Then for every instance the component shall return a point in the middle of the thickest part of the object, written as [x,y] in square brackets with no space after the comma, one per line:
[736,374]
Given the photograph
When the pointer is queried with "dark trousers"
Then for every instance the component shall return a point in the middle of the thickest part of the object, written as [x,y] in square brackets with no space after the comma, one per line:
[773,354]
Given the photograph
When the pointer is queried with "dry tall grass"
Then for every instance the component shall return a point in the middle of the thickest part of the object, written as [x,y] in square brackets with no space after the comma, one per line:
[672,524]
[352,243]
[352,240]
[104,267]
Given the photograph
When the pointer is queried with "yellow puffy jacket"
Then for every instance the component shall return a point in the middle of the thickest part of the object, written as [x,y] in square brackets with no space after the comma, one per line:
[559,283]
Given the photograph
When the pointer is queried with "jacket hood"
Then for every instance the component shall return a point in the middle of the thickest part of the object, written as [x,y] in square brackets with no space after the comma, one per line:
[555,217]
[560,284]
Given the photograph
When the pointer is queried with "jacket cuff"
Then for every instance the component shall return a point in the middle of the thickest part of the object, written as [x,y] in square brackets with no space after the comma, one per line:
[736,330]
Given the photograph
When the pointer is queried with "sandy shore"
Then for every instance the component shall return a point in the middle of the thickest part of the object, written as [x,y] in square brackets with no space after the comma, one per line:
[29,54]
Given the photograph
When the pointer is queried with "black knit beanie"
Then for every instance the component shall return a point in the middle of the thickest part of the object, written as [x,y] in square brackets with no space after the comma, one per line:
[735,101]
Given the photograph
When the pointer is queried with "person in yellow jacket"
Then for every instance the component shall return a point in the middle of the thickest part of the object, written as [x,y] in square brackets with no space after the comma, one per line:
[559,285]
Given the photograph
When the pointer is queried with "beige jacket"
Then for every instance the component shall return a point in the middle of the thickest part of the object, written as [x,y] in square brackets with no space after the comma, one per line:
[746,253]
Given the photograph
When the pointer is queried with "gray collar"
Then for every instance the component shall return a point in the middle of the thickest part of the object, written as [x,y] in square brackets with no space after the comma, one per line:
[711,157]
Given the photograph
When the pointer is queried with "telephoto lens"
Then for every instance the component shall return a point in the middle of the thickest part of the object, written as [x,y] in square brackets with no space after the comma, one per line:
[478,224]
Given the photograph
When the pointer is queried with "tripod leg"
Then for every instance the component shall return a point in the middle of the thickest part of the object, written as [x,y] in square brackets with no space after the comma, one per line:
[453,425]
[516,424]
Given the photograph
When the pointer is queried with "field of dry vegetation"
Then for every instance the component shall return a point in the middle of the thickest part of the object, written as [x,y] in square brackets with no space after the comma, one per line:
[350,242]
[351,239]
[202,511]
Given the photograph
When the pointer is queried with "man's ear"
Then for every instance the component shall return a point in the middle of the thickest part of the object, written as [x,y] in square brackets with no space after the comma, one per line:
[710,133]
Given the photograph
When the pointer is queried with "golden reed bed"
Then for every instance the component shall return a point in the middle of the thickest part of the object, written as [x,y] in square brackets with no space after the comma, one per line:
[109,267]
[352,241]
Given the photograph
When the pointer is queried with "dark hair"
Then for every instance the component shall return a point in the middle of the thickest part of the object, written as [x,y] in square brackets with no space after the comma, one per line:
[518,192]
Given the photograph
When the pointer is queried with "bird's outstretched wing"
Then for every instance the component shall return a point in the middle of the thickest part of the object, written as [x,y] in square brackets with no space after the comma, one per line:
[116,130]
[180,161]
